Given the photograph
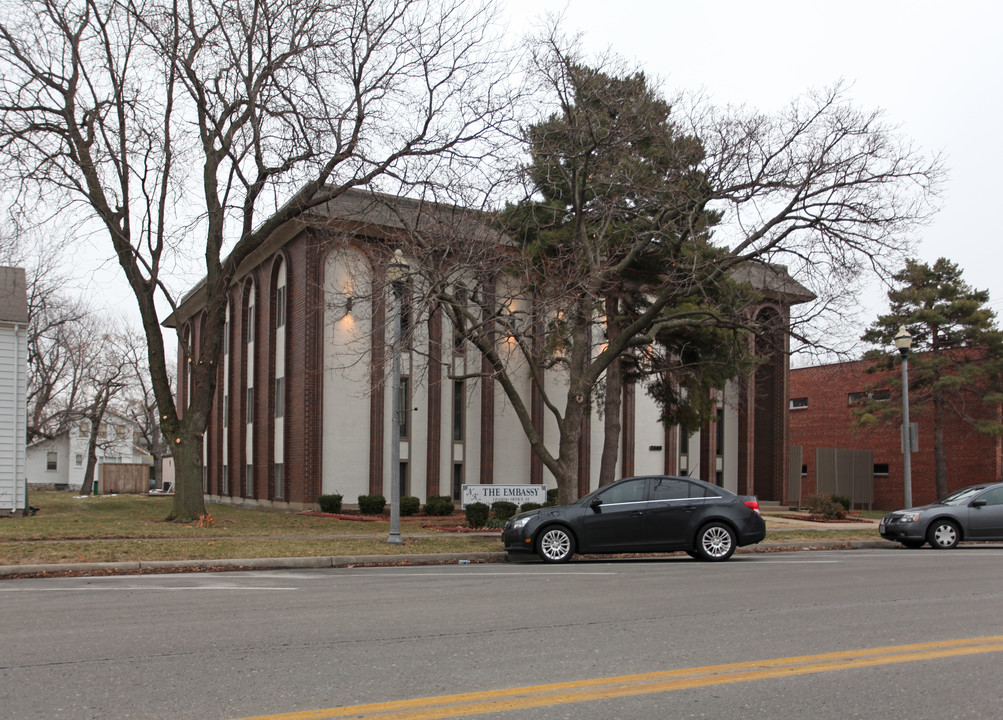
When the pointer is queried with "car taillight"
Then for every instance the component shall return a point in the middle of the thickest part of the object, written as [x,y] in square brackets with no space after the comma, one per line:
[753,505]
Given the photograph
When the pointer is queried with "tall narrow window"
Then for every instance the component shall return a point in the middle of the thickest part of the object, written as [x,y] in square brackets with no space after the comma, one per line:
[457,480]
[250,406]
[403,401]
[250,321]
[720,431]
[280,397]
[280,306]
[280,490]
[458,407]
[249,480]
[225,481]
[51,461]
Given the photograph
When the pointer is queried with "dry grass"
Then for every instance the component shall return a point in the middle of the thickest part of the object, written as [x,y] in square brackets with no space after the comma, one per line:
[113,528]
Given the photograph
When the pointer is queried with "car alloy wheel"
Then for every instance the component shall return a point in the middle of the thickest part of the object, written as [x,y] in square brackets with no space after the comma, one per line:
[715,542]
[556,545]
[943,535]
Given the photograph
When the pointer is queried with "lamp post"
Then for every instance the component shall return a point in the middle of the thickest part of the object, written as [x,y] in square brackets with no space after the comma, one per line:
[397,272]
[903,341]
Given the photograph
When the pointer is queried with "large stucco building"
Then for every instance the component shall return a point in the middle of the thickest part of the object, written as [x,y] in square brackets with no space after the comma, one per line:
[303,405]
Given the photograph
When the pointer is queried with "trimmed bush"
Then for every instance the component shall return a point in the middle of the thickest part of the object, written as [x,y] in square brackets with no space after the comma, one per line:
[846,502]
[410,505]
[529,506]
[330,503]
[477,514]
[823,506]
[439,505]
[503,509]
[372,504]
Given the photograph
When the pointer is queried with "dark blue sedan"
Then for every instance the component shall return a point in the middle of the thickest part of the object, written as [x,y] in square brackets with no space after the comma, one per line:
[641,515]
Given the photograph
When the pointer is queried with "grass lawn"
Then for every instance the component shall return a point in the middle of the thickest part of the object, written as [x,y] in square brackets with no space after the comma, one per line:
[110,528]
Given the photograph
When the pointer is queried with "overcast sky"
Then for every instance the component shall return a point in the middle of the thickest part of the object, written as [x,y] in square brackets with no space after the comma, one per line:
[935,68]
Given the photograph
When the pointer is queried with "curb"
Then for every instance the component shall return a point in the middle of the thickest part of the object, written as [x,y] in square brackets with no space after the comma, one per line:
[166,566]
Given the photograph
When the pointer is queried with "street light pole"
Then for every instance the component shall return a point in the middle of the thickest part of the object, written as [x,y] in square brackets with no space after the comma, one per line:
[903,341]
[396,273]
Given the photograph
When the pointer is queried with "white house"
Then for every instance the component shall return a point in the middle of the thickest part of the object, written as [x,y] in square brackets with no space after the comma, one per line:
[60,462]
[13,390]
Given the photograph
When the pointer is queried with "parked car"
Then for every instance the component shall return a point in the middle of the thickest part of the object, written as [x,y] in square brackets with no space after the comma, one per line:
[640,515]
[975,513]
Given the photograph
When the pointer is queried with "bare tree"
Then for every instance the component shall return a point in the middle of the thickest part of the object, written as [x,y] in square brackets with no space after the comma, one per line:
[208,125]
[139,403]
[669,220]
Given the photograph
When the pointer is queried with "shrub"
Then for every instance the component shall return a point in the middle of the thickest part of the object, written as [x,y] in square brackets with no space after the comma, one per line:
[846,502]
[439,505]
[410,505]
[495,524]
[529,506]
[503,509]
[551,497]
[372,504]
[823,506]
[330,503]
[477,514]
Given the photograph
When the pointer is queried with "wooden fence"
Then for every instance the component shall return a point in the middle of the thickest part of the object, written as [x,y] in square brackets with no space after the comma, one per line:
[124,478]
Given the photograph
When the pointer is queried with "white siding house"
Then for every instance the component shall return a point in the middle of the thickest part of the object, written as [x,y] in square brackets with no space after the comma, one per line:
[13,390]
[60,462]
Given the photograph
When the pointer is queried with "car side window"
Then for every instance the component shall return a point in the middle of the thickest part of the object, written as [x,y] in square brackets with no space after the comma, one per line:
[625,492]
[993,497]
[671,489]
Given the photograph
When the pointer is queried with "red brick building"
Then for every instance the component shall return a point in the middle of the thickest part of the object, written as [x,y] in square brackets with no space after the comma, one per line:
[821,418]
[303,405]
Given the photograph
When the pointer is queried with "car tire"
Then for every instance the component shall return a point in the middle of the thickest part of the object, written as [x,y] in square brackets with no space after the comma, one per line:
[943,535]
[555,544]
[913,544]
[715,542]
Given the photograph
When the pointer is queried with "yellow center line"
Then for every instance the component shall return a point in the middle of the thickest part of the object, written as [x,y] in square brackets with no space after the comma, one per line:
[449,706]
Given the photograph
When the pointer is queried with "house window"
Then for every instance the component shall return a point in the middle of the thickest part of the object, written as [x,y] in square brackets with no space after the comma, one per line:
[280,490]
[250,406]
[857,397]
[79,460]
[880,468]
[85,427]
[51,460]
[280,397]
[799,403]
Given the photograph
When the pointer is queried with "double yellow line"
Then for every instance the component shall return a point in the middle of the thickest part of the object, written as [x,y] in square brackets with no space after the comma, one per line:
[449,706]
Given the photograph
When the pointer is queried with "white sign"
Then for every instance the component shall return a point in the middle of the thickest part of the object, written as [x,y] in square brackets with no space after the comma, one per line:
[517,494]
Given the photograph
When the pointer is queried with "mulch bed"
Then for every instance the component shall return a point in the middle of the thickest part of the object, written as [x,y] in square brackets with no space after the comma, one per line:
[812,518]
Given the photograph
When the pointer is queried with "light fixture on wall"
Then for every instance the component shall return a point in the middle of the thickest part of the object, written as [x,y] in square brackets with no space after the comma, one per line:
[349,302]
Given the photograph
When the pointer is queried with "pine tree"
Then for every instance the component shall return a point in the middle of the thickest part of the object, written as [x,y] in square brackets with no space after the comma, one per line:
[956,362]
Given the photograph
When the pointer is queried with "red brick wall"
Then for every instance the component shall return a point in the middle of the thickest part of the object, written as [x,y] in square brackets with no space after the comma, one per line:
[827,422]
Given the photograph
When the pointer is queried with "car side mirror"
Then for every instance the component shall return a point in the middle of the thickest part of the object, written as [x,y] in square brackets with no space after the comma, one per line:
[595,503]
[978,503]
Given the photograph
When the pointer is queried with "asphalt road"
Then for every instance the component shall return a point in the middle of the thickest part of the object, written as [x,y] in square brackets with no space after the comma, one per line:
[891,633]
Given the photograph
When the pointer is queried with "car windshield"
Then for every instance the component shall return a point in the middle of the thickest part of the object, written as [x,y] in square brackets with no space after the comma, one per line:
[962,496]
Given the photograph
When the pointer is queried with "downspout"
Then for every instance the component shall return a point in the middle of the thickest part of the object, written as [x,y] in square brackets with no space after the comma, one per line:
[17,394]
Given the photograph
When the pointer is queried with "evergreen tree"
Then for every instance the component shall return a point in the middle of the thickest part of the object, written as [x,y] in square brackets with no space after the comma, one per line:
[956,362]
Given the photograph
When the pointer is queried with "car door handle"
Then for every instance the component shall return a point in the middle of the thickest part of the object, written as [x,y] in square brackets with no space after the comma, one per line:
[637,513]
[689,508]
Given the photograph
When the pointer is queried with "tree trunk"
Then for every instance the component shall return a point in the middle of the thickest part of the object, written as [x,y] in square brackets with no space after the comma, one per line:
[189,502]
[612,404]
[939,456]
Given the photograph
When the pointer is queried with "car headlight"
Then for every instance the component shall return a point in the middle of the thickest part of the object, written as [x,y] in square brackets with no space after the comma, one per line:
[908,517]
[519,522]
